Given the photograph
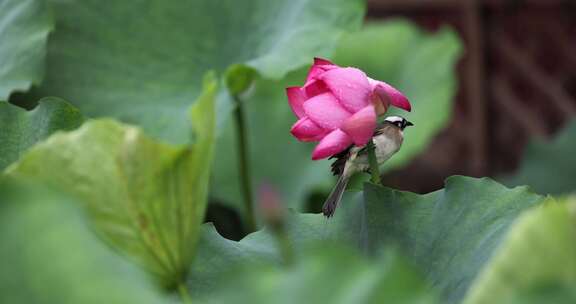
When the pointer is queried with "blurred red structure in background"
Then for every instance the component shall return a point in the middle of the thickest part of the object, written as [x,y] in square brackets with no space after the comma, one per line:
[517,80]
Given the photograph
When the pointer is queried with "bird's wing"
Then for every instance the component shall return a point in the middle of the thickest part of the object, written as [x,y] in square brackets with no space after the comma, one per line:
[342,157]
[340,162]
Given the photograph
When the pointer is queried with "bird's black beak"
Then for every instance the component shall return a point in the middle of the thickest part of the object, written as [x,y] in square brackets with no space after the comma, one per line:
[409,124]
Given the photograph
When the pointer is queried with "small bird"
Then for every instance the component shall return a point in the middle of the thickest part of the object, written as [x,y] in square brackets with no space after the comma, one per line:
[387,138]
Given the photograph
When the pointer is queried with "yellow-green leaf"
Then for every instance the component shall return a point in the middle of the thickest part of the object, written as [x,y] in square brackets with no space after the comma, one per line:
[145,197]
[538,254]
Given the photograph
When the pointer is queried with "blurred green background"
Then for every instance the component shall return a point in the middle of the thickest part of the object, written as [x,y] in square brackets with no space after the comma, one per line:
[122,160]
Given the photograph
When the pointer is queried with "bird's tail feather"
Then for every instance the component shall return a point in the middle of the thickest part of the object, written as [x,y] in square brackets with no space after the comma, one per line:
[335,196]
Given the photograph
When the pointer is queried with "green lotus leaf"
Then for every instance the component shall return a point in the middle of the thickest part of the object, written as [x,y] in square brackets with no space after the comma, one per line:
[142,62]
[24,29]
[51,255]
[21,129]
[326,274]
[146,198]
[537,261]
[449,234]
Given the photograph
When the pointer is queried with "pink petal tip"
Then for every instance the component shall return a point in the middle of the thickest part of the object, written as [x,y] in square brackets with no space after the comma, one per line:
[391,95]
[322,61]
[296,98]
[319,67]
[333,143]
[306,130]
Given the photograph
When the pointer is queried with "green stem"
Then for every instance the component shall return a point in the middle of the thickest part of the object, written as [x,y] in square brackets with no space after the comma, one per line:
[374,168]
[184,295]
[285,247]
[244,165]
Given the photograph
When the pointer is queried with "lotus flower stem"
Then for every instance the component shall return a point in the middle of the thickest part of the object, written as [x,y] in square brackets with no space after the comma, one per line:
[184,294]
[274,216]
[285,247]
[244,165]
[374,168]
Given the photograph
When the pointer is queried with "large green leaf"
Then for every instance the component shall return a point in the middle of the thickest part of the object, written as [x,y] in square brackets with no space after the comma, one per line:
[536,262]
[24,28]
[547,165]
[419,64]
[146,198]
[250,271]
[142,61]
[398,54]
[325,274]
[49,255]
[449,234]
[20,129]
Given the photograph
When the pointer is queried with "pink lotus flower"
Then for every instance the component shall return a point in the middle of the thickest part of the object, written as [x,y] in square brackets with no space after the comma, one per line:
[337,106]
